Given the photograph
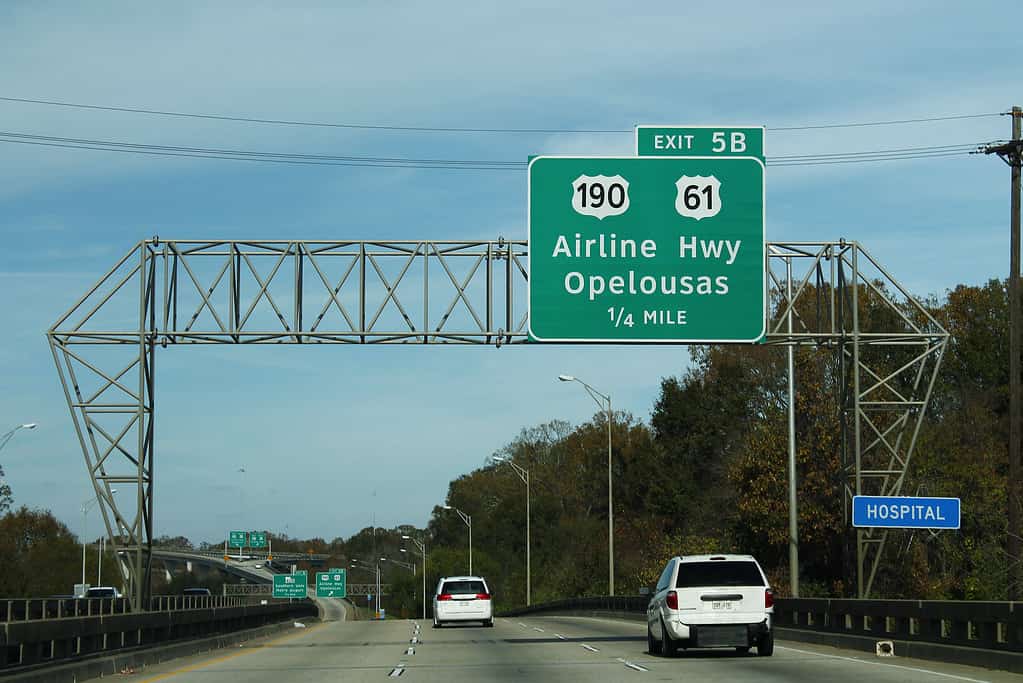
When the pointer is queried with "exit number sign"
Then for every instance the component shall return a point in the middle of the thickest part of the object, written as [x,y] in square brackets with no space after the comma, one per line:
[700,141]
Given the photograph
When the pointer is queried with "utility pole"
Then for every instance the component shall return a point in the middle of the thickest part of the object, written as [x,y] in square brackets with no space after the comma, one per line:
[1012,154]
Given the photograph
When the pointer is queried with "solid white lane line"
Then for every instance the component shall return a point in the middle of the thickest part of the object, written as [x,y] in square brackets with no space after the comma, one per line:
[589,647]
[894,666]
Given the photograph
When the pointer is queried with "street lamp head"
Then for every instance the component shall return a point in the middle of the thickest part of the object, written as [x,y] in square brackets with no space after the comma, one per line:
[29,425]
[447,507]
[402,550]
[406,536]
[566,378]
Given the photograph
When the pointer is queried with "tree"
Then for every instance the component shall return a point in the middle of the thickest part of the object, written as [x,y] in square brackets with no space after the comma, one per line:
[40,554]
[6,497]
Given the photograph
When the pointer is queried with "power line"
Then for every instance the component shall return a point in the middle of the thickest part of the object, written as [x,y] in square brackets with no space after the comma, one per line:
[449,129]
[307,159]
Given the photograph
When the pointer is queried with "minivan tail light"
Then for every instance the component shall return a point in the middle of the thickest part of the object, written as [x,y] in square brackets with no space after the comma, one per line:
[672,600]
[444,596]
[483,596]
[768,598]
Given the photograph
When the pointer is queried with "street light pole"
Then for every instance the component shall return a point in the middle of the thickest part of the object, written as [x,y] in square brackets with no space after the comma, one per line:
[604,401]
[4,438]
[422,549]
[524,476]
[8,435]
[468,522]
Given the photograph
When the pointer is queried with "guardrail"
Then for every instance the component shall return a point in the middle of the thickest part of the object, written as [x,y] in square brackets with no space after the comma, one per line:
[35,609]
[111,626]
[965,624]
[972,624]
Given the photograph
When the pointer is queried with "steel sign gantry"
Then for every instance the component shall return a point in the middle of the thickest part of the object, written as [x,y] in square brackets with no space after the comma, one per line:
[181,292]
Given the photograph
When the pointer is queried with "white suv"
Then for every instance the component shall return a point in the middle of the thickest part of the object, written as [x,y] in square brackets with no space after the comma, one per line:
[711,601]
[462,598]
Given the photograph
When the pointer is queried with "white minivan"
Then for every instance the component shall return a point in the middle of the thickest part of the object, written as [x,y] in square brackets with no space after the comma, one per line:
[711,601]
[461,599]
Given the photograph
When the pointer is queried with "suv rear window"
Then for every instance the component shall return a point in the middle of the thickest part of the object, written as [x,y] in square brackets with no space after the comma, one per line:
[719,573]
[463,587]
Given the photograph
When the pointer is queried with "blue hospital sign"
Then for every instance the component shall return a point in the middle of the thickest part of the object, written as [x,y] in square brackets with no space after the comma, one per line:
[905,512]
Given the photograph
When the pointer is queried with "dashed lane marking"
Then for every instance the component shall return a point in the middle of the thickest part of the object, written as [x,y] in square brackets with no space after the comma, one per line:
[560,636]
[629,664]
[523,625]
[589,647]
[537,628]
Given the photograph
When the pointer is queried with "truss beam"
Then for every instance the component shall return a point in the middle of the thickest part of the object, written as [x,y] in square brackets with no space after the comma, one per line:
[191,292]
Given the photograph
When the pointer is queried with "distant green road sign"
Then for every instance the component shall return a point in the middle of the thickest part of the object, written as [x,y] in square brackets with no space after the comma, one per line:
[257,539]
[646,249]
[332,584]
[238,539]
[290,586]
[700,141]
[335,570]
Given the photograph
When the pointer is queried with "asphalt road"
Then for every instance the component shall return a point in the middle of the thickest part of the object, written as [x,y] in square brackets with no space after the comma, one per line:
[530,649]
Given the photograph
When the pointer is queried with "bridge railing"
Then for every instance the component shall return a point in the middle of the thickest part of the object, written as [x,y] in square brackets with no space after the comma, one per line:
[38,609]
[36,640]
[964,624]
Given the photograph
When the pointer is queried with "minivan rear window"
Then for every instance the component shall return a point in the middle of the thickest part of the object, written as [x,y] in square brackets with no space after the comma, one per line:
[463,587]
[720,573]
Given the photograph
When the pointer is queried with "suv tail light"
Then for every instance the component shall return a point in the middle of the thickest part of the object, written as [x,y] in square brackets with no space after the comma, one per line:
[768,598]
[672,600]
[483,596]
[444,596]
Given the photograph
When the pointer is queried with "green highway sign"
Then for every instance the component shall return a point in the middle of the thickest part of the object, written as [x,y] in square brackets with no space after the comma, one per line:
[700,141]
[290,585]
[331,584]
[646,249]
[238,539]
[335,570]
[257,539]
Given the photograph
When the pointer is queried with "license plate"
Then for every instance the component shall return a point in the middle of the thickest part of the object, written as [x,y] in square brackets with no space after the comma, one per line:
[723,605]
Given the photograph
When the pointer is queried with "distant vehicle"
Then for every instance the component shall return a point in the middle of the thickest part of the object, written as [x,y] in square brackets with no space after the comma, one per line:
[461,599]
[196,591]
[103,592]
[711,601]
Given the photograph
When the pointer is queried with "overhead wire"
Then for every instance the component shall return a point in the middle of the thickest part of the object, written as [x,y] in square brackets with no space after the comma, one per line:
[307,159]
[450,129]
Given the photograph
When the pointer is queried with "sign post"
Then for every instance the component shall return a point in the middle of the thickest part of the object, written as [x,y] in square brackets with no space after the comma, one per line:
[332,584]
[646,249]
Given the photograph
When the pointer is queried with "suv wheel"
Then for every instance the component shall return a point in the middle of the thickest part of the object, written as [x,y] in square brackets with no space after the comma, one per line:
[669,646]
[489,623]
[652,646]
[765,648]
[436,624]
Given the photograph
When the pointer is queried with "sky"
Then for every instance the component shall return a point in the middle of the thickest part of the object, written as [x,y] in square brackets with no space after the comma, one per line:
[333,439]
